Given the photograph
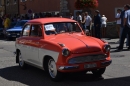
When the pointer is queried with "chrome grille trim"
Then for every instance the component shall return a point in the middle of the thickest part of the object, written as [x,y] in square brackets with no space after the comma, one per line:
[88,58]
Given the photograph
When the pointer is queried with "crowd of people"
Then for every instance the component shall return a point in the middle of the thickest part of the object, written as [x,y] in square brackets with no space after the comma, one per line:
[97,22]
[87,22]
[84,19]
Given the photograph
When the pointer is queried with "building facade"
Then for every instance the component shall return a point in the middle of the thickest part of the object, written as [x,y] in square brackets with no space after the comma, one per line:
[11,7]
[106,7]
[36,6]
[2,7]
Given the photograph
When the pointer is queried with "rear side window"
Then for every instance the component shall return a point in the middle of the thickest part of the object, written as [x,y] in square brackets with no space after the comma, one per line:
[26,30]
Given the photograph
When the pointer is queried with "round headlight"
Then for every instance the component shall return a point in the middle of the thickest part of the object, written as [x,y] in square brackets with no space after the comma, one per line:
[107,48]
[65,52]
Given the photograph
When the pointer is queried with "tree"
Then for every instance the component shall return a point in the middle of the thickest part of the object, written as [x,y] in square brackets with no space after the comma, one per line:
[82,4]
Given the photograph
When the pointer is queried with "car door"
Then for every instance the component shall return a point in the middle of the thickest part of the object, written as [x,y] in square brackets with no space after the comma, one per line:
[23,41]
[34,40]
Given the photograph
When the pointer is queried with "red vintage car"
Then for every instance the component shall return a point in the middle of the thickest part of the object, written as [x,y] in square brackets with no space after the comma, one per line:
[58,45]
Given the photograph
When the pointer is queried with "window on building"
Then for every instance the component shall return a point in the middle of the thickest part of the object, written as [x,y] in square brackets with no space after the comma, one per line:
[7,2]
[15,1]
[23,0]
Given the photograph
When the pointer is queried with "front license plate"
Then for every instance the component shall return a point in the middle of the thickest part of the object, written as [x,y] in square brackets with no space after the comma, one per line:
[13,36]
[90,65]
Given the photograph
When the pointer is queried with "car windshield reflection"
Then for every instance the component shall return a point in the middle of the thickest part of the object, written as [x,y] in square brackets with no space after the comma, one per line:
[61,27]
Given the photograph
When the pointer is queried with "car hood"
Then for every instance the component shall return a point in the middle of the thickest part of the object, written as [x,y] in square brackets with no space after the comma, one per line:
[77,43]
[15,29]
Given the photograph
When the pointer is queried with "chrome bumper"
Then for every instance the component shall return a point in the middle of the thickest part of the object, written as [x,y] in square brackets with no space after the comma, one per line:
[106,63]
[68,67]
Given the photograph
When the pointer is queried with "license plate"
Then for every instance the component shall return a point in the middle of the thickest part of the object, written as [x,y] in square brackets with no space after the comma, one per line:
[90,65]
[13,36]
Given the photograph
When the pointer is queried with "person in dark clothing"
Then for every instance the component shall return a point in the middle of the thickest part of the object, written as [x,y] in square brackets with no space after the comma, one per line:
[1,23]
[97,24]
[126,28]
[122,18]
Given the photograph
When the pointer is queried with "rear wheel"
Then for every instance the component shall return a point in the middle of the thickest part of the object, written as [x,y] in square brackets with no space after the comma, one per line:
[98,72]
[22,64]
[54,74]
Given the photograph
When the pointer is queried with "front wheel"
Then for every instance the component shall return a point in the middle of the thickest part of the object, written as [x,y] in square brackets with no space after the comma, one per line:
[52,70]
[98,72]
[22,64]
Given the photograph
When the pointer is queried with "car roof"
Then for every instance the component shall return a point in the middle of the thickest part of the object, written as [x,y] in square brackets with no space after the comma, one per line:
[51,19]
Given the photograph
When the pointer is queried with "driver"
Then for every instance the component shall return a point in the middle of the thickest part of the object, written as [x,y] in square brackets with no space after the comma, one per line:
[62,27]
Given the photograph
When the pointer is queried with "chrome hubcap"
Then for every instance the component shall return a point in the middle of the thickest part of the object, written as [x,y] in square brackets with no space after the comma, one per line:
[21,62]
[52,68]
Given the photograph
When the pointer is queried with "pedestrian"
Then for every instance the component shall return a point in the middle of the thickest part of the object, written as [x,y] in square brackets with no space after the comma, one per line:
[79,18]
[88,22]
[121,29]
[83,21]
[71,16]
[7,23]
[97,24]
[1,22]
[104,24]
[118,22]
[126,29]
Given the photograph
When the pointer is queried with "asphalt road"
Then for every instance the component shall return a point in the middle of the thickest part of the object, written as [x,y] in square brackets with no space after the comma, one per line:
[117,74]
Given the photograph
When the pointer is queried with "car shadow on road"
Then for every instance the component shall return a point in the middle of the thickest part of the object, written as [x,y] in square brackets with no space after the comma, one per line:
[3,39]
[36,77]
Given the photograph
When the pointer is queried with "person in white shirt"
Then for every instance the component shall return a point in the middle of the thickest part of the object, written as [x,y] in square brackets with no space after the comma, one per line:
[79,18]
[87,21]
[118,21]
[104,24]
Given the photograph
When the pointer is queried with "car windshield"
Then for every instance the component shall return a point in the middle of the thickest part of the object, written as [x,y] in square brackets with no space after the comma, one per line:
[61,27]
[20,23]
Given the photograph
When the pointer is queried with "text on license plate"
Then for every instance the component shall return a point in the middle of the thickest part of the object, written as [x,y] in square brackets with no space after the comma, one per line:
[90,65]
[13,36]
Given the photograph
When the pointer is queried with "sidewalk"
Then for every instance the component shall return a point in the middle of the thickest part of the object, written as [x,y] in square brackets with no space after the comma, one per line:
[113,42]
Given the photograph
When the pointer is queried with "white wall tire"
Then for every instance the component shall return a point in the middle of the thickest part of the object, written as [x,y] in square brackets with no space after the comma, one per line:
[52,71]
[22,64]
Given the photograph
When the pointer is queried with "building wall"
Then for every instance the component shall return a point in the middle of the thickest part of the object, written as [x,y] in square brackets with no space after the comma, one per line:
[106,7]
[12,8]
[2,7]
[39,6]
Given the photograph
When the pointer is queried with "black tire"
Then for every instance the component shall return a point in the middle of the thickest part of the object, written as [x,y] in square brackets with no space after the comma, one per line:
[98,72]
[22,64]
[56,77]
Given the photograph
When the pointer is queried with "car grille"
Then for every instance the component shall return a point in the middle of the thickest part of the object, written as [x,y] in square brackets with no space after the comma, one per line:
[89,58]
[14,32]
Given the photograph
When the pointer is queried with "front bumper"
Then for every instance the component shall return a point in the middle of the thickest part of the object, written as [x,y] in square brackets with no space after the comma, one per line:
[80,67]
[13,35]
